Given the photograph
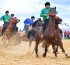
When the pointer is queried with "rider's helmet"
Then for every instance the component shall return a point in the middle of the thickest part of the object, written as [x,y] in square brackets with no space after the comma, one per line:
[32,16]
[7,12]
[47,3]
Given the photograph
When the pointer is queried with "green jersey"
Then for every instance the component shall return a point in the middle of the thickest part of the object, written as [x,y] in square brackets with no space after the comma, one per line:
[44,12]
[5,18]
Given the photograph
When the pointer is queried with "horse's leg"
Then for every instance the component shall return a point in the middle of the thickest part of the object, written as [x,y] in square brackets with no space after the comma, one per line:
[53,46]
[4,41]
[43,46]
[30,42]
[61,46]
[7,41]
[63,50]
[36,47]
[45,49]
[57,44]
[26,29]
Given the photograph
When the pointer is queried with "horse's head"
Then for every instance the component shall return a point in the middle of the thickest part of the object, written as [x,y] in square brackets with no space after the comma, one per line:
[38,22]
[53,12]
[58,20]
[14,20]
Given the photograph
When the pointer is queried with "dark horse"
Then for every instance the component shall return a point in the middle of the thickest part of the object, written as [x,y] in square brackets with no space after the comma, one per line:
[50,34]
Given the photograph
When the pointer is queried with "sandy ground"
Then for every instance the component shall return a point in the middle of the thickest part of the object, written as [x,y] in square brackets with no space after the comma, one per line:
[20,55]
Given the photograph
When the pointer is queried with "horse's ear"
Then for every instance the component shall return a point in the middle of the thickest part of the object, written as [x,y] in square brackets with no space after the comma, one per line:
[55,7]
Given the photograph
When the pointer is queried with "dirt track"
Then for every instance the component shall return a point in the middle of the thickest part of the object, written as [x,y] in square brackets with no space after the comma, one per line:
[19,55]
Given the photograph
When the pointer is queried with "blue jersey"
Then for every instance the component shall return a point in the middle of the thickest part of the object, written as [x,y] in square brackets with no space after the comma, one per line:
[28,21]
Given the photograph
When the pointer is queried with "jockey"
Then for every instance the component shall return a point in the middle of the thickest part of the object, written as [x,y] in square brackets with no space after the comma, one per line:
[45,14]
[6,19]
[12,16]
[29,21]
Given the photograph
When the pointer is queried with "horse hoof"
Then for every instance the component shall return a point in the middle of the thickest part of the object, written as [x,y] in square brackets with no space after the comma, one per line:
[44,55]
[67,56]
[36,56]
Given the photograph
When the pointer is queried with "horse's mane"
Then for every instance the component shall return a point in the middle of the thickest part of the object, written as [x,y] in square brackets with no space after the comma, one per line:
[39,19]
[34,24]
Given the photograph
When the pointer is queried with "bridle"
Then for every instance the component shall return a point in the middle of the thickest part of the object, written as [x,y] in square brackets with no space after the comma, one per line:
[50,14]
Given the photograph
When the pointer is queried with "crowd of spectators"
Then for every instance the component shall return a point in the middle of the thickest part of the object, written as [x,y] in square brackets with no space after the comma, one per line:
[67,35]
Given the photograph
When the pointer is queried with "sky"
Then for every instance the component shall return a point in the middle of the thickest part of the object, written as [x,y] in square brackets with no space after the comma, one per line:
[26,8]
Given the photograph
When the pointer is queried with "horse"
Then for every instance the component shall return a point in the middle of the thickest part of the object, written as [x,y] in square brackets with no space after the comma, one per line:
[9,30]
[38,25]
[50,35]
[31,33]
[12,22]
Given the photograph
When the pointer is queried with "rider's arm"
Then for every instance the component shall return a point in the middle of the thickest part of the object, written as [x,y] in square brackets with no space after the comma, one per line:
[1,18]
[25,22]
[31,23]
[42,14]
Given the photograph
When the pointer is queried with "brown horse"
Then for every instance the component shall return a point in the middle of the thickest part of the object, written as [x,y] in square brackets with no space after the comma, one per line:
[9,30]
[58,38]
[37,26]
[51,35]
[9,27]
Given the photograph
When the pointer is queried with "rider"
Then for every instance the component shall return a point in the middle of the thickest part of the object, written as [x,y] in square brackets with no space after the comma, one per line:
[29,21]
[12,16]
[45,14]
[6,19]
